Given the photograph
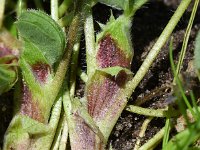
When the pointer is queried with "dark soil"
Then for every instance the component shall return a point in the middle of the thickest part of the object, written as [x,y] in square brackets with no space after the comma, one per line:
[148,24]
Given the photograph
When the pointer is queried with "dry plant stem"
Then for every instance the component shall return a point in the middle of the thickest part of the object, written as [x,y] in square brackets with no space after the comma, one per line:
[142,132]
[2,7]
[186,37]
[154,140]
[157,47]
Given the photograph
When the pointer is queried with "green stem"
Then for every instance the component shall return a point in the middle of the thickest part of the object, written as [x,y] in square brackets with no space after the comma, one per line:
[63,7]
[82,75]
[66,20]
[2,7]
[194,102]
[57,136]
[55,113]
[21,5]
[63,140]
[142,132]
[73,68]
[152,112]
[54,9]
[64,63]
[90,44]
[186,37]
[157,47]
[54,119]
[178,82]
[167,131]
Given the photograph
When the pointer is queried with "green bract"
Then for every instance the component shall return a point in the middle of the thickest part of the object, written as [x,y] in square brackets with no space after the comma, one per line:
[119,30]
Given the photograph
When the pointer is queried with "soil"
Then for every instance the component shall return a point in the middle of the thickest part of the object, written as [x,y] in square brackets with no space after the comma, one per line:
[148,24]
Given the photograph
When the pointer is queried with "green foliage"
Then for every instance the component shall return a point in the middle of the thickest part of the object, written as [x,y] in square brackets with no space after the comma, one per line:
[43,38]
[43,44]
[20,130]
[127,5]
[119,4]
[184,139]
[8,75]
[114,71]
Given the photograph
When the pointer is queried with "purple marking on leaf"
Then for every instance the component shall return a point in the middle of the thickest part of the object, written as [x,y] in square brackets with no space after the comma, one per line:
[4,51]
[110,55]
[85,139]
[41,71]
[102,94]
[29,107]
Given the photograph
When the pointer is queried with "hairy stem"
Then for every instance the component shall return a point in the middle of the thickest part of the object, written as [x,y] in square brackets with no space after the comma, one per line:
[54,9]
[64,63]
[90,45]
[157,47]
[152,112]
[64,137]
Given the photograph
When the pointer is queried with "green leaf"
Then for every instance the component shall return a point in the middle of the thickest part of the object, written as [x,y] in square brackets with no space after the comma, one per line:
[197,52]
[8,77]
[184,139]
[41,33]
[118,4]
[21,129]
[114,71]
[129,6]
